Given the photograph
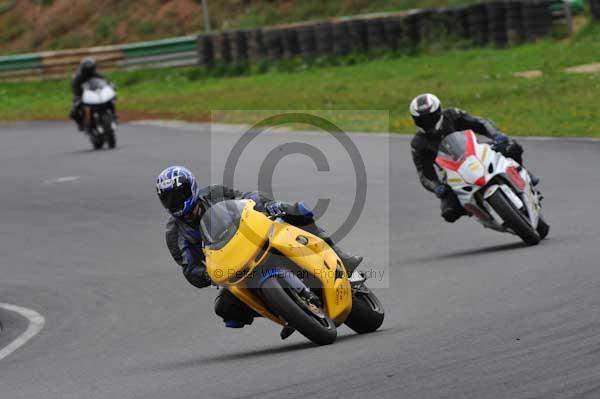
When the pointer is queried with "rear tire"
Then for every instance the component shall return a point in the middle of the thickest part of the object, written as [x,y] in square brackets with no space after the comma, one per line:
[109,132]
[513,218]
[367,313]
[280,301]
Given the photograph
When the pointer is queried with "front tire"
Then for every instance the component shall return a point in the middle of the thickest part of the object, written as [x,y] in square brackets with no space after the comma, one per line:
[543,228]
[513,218]
[284,303]
[367,313]
[97,142]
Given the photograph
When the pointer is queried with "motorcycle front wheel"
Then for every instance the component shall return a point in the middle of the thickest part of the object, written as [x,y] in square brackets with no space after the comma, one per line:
[97,141]
[311,322]
[513,218]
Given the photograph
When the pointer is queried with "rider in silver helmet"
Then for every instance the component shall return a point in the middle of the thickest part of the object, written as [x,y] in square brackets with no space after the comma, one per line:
[433,124]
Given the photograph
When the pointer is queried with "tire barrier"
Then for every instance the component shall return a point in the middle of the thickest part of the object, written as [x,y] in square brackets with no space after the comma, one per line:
[324,38]
[256,48]
[238,46]
[206,55]
[307,45]
[221,48]
[357,29]
[515,29]
[478,24]
[436,26]
[342,43]
[376,36]
[460,23]
[537,19]
[273,42]
[495,22]
[289,40]
[595,9]
[394,31]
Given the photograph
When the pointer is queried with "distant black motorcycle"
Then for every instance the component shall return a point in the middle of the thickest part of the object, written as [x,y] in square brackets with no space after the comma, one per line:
[99,117]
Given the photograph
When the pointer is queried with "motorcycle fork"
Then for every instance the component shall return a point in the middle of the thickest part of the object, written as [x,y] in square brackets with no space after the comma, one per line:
[87,116]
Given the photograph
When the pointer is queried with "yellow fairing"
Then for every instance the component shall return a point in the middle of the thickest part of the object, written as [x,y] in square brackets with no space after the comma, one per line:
[241,251]
[318,259]
[256,235]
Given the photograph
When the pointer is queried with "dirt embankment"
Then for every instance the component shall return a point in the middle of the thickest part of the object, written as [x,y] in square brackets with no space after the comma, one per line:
[31,25]
[35,25]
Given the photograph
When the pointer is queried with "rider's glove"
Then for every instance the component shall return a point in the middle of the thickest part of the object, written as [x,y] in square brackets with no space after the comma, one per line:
[515,151]
[500,139]
[500,142]
[274,208]
[441,190]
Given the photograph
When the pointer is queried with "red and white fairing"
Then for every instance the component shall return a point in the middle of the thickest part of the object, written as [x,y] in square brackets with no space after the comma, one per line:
[471,169]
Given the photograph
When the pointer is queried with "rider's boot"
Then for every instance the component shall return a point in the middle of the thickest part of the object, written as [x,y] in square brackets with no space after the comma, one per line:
[350,262]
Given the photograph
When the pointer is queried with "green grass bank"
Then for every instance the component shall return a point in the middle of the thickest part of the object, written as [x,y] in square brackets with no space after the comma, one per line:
[479,80]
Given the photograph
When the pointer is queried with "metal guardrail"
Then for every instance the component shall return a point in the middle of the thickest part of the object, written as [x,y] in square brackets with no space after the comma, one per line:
[499,23]
[19,62]
[160,47]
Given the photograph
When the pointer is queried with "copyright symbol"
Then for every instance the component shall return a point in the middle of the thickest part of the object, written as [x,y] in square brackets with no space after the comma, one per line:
[269,164]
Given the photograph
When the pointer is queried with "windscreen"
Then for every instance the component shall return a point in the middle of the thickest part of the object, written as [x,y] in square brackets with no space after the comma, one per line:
[220,223]
[454,146]
[95,84]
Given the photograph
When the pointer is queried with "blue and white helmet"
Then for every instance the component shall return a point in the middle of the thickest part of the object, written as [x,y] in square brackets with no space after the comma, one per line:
[177,189]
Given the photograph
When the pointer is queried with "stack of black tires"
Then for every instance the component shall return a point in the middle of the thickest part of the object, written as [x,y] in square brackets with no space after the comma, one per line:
[515,29]
[478,24]
[537,19]
[595,8]
[494,22]
[497,23]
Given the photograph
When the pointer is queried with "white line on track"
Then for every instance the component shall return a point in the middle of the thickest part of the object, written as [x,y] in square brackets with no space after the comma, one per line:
[36,323]
[64,179]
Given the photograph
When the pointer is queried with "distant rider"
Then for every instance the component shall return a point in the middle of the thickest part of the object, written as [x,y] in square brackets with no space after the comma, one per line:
[433,124]
[180,195]
[86,71]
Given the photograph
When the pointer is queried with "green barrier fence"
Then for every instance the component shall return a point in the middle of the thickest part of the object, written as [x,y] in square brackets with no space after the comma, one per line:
[19,62]
[160,47]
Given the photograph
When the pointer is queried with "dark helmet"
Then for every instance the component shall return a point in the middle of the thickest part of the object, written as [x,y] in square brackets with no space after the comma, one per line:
[177,190]
[87,66]
[426,111]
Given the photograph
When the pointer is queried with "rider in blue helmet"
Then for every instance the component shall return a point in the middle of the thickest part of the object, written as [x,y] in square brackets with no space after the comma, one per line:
[178,191]
[185,201]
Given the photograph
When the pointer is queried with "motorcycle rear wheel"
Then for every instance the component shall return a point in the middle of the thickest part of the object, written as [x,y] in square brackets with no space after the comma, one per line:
[109,132]
[513,218]
[367,313]
[285,303]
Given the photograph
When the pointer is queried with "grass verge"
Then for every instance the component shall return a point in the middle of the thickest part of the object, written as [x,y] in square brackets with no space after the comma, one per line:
[478,80]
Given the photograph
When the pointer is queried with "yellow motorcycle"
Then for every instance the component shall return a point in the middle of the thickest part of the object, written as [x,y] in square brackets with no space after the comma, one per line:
[285,274]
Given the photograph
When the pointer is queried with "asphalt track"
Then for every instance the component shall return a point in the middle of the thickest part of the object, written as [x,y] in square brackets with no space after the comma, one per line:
[470,313]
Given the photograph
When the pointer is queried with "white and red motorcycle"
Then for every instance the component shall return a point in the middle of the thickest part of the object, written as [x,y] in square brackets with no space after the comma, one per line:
[495,189]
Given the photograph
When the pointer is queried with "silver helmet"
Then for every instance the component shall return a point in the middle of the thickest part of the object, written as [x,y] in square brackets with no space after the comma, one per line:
[426,111]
